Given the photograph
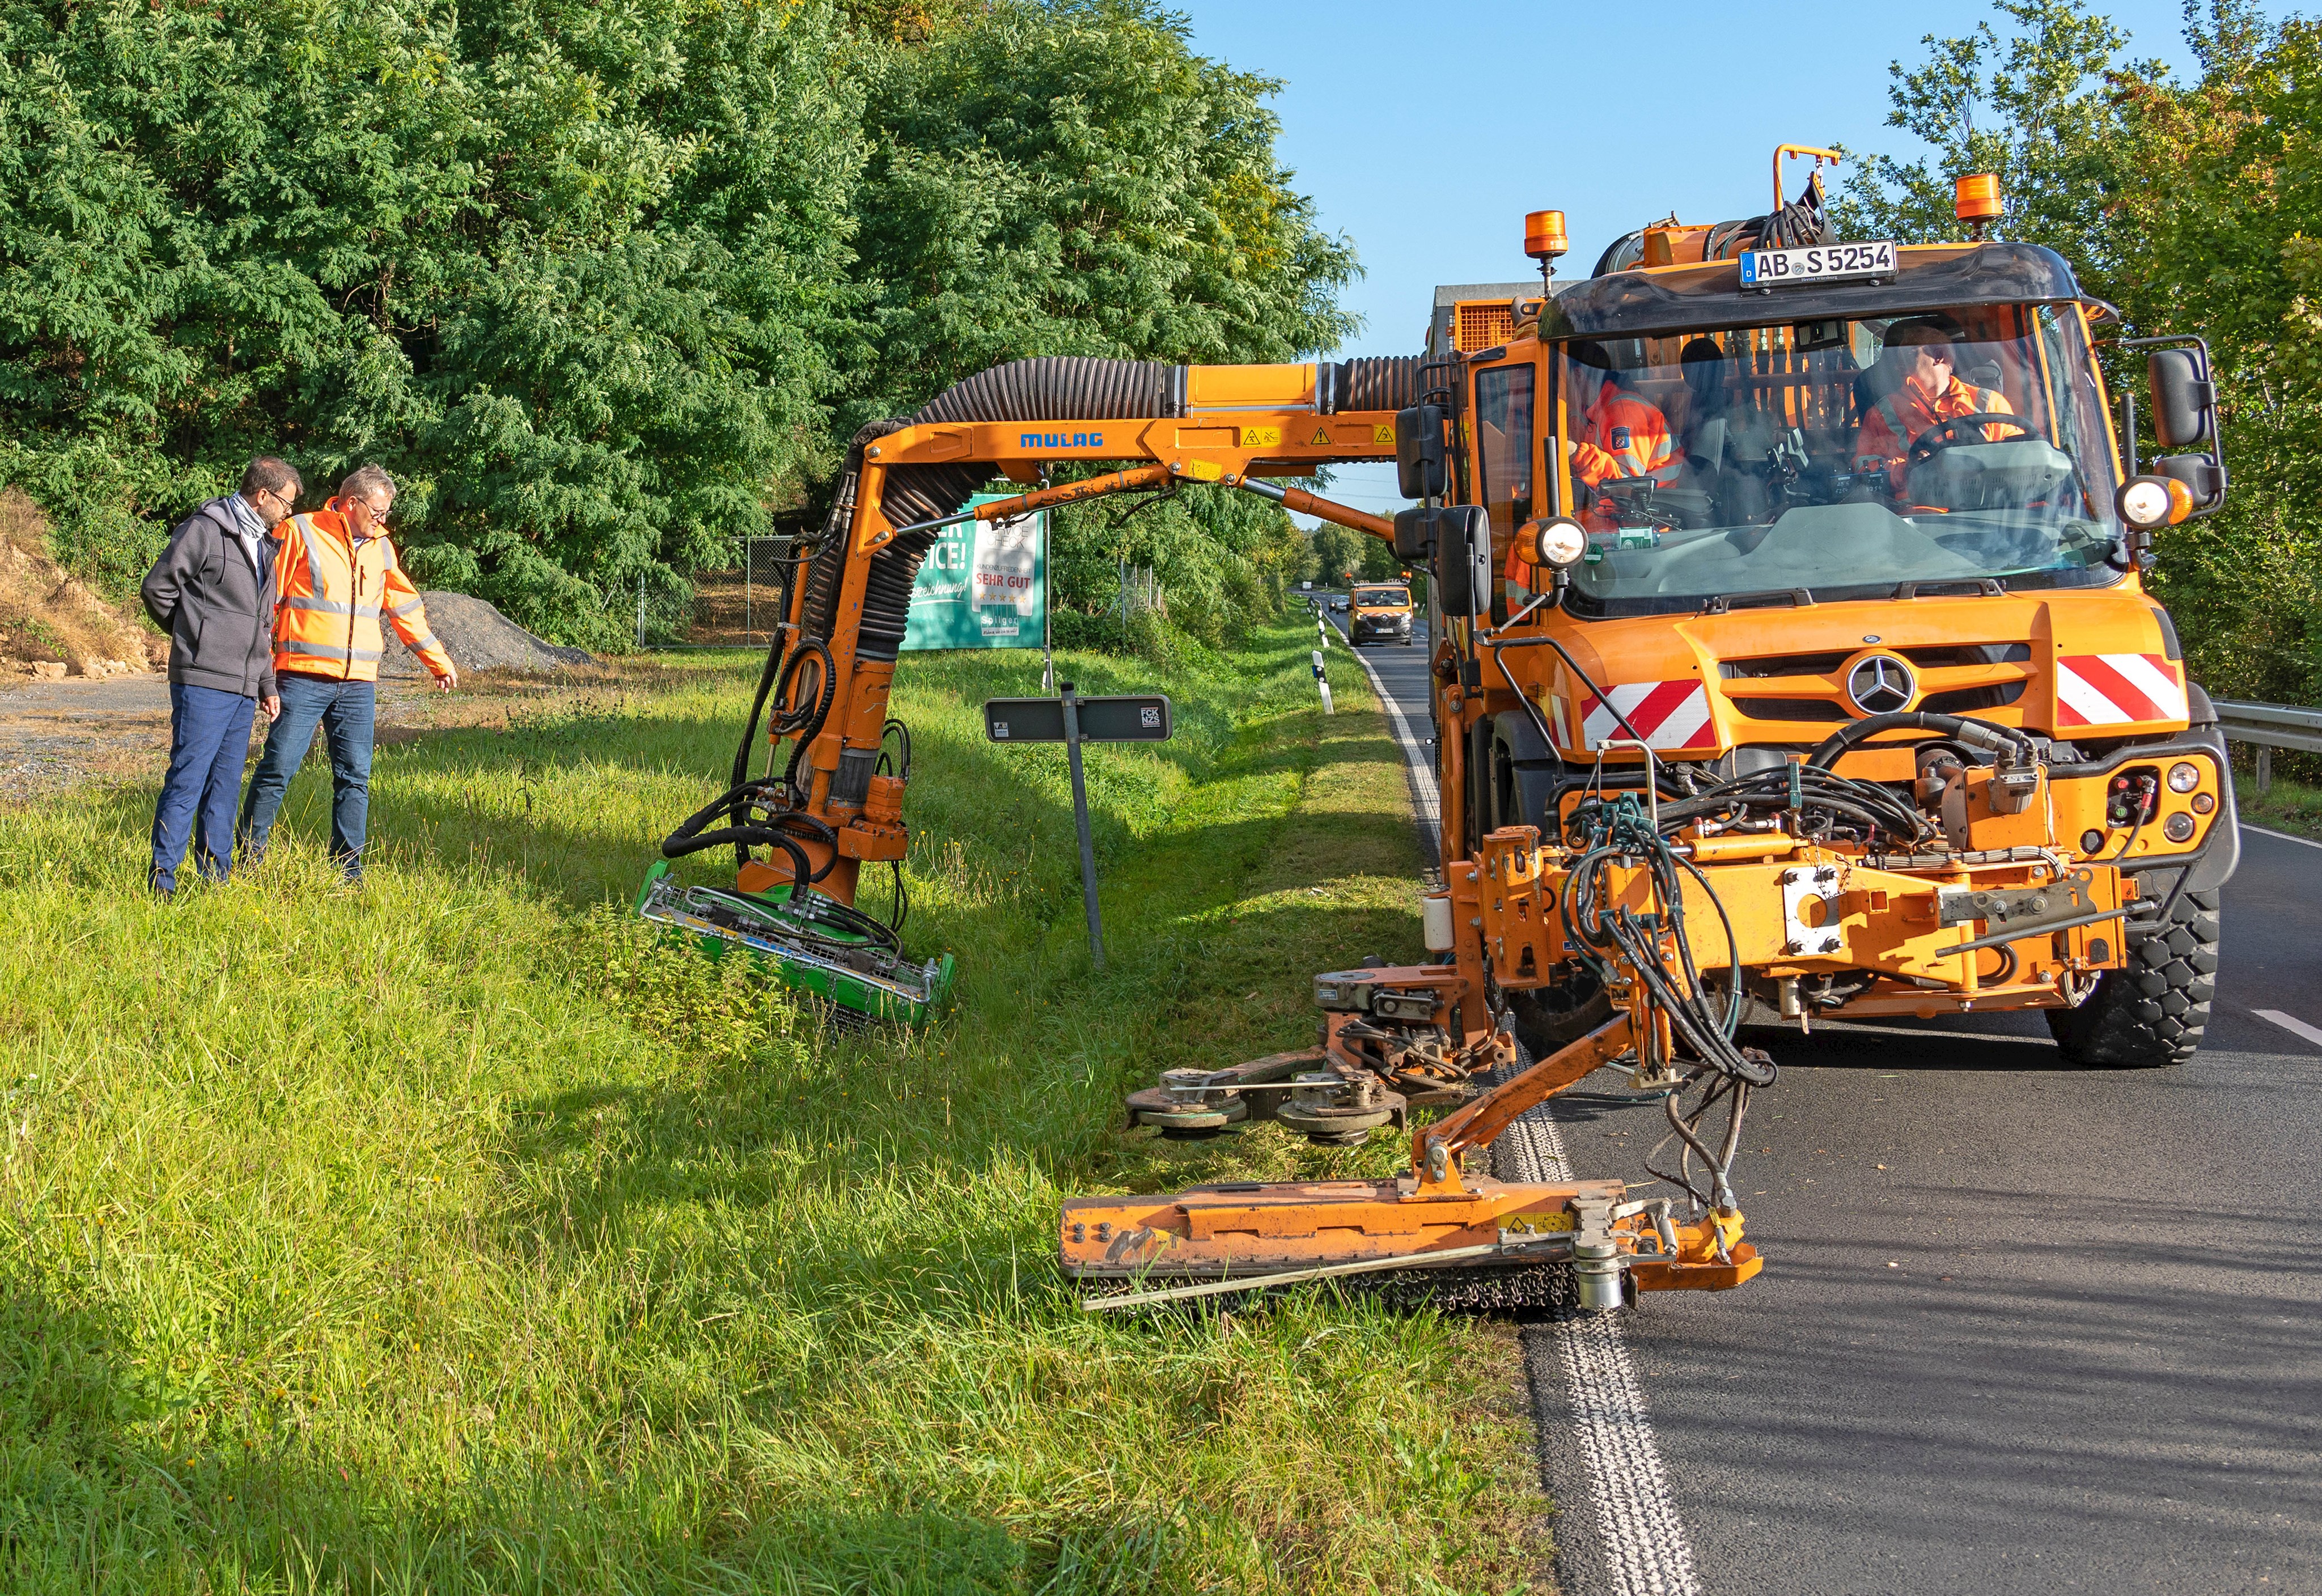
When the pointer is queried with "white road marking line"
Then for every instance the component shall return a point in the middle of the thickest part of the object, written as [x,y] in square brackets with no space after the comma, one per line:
[2291,1024]
[1425,801]
[2267,831]
[1646,1550]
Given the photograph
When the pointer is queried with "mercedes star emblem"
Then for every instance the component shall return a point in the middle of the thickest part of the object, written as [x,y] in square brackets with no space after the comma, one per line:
[1881,685]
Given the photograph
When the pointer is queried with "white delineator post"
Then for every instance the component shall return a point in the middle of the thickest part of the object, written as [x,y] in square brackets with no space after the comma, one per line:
[1323,683]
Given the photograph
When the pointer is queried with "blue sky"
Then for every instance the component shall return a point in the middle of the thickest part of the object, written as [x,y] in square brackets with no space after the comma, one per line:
[1425,133]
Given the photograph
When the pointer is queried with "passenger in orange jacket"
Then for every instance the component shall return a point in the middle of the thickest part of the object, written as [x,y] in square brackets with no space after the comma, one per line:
[1925,394]
[337,577]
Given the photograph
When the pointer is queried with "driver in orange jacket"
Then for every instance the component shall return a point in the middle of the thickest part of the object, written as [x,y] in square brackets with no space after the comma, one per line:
[1928,394]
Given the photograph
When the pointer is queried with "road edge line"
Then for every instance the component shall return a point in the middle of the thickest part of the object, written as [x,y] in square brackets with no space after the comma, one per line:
[2291,1024]
[2267,831]
[1641,1534]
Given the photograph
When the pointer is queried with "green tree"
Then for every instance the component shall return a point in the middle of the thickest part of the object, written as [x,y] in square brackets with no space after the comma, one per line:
[1070,179]
[1337,553]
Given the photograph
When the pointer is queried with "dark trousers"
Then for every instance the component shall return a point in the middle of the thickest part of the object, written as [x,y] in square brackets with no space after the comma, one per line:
[209,738]
[345,710]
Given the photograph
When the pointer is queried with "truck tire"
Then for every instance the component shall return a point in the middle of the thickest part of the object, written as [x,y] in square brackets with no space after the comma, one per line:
[2153,1012]
[1550,1018]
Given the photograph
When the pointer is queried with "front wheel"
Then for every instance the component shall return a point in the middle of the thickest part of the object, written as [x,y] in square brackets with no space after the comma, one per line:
[2153,1012]
[1551,1017]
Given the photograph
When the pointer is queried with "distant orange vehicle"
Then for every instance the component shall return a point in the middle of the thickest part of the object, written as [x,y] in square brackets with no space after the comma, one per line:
[1381,613]
[1771,727]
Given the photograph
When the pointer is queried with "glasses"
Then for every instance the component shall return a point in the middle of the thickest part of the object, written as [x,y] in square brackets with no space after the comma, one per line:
[377,515]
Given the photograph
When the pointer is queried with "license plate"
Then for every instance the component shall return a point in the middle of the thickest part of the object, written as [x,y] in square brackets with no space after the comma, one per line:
[1822,263]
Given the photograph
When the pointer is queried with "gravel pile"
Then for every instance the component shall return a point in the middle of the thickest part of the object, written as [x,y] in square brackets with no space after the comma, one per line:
[477,637]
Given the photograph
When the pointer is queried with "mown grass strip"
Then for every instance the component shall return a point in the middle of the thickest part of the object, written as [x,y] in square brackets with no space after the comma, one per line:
[448,1235]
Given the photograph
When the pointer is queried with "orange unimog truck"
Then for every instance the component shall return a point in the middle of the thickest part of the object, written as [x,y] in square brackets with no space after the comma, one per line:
[1791,655]
[1894,496]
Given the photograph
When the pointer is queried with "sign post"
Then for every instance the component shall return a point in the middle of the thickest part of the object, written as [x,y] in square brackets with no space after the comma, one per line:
[1072,720]
[1081,825]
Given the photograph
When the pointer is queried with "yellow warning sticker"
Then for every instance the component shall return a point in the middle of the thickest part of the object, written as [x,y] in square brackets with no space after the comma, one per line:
[1382,435]
[1261,437]
[1321,438]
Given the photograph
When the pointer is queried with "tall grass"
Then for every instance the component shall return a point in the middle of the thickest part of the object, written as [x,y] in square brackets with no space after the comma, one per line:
[448,1235]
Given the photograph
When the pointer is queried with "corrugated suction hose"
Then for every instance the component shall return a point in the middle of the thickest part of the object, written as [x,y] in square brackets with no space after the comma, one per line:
[1050,388]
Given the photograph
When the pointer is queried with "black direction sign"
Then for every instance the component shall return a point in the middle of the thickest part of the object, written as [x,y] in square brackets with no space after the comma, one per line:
[1071,720]
[1127,717]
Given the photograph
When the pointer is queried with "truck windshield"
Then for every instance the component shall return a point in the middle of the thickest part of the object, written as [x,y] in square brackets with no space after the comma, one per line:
[1834,460]
[1384,597]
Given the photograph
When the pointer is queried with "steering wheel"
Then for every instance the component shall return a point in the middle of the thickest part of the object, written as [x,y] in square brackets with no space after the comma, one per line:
[1944,435]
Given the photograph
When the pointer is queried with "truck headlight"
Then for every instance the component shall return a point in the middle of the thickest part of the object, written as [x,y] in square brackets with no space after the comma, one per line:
[1558,540]
[2184,776]
[2147,502]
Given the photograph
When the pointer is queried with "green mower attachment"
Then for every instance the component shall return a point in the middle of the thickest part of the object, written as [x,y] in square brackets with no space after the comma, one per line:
[806,941]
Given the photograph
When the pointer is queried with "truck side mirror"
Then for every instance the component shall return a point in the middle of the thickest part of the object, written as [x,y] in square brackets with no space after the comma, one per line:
[2201,474]
[2184,399]
[1419,451]
[1414,534]
[1463,559]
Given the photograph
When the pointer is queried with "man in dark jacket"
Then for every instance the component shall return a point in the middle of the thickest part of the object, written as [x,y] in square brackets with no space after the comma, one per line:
[212,592]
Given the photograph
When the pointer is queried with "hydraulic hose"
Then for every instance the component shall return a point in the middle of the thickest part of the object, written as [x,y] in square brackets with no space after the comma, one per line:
[1982,734]
[781,832]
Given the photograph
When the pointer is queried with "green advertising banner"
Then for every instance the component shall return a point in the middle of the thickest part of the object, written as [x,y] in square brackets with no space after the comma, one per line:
[984,585]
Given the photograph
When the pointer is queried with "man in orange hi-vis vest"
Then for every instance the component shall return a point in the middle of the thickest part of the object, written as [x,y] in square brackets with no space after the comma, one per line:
[338,577]
[1622,436]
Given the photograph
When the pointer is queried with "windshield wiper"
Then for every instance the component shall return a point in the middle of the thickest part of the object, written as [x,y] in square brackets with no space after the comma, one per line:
[1720,603]
[1986,587]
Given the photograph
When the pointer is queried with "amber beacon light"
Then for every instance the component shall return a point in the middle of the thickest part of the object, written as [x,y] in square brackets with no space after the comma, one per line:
[1975,200]
[1544,239]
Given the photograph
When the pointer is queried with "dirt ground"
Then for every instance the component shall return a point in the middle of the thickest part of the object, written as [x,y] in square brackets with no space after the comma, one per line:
[57,735]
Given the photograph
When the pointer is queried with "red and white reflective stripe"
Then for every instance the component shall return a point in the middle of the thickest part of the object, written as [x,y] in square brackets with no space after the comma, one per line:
[1665,714]
[2117,690]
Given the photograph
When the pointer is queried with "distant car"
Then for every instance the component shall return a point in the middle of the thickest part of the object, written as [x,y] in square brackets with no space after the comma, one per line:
[1337,604]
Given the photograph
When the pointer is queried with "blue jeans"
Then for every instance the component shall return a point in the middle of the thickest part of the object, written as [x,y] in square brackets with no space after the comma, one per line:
[209,737]
[345,710]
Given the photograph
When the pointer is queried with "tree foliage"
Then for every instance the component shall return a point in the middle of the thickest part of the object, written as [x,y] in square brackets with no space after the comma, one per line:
[604,282]
[2195,207]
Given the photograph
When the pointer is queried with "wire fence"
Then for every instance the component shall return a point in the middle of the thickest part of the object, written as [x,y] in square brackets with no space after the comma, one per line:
[731,604]
[1140,591]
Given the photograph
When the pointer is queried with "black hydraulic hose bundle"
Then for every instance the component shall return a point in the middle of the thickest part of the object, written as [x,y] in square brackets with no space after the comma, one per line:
[2006,741]
[779,828]
[1622,829]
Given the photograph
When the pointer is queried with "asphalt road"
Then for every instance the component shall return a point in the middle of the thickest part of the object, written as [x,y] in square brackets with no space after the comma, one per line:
[2022,1328]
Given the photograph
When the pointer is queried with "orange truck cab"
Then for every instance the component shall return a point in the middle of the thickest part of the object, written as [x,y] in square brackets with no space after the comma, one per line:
[1803,598]
[1381,613]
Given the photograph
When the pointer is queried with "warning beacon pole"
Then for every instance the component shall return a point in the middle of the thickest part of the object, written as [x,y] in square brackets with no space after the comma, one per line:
[1081,822]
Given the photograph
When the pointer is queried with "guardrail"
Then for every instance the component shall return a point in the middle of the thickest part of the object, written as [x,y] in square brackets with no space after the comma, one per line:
[2269,727]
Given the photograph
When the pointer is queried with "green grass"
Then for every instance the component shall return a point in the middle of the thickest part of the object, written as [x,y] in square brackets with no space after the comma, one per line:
[448,1235]
[2292,806]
